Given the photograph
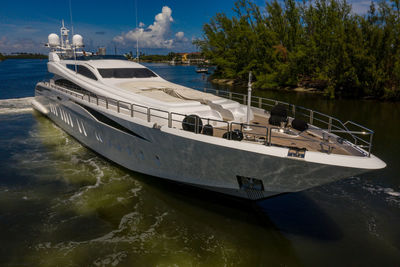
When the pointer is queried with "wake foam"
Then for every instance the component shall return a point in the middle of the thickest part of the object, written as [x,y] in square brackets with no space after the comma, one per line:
[376,189]
[16,105]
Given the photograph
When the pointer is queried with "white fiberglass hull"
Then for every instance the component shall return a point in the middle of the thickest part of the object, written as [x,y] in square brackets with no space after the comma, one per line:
[207,162]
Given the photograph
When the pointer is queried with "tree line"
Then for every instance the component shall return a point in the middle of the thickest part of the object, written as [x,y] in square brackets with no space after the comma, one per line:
[321,44]
[163,58]
[23,56]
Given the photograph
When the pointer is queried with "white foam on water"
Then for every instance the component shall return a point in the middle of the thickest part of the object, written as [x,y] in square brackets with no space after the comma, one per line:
[390,195]
[376,189]
[136,190]
[99,173]
[16,105]
[391,192]
[111,259]
[129,230]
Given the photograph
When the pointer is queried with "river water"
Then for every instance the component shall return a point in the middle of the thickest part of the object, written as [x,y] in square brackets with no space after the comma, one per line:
[63,205]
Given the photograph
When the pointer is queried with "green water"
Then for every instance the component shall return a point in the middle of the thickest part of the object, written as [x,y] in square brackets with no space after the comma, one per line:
[63,205]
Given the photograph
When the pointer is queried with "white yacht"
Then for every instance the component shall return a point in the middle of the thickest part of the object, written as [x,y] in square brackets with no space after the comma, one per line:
[209,139]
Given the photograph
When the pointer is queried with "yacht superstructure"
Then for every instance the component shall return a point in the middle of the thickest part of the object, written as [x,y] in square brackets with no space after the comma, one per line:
[130,115]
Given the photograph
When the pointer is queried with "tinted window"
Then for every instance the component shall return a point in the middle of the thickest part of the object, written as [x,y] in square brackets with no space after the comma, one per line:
[70,85]
[93,57]
[71,67]
[82,70]
[127,73]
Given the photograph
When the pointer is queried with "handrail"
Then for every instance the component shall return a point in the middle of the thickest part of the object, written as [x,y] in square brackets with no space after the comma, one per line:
[330,122]
[339,127]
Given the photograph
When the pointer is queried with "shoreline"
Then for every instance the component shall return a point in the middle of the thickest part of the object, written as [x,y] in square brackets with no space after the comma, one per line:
[23,56]
[232,83]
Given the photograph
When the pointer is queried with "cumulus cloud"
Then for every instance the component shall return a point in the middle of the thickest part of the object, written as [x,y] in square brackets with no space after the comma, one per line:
[156,35]
[179,35]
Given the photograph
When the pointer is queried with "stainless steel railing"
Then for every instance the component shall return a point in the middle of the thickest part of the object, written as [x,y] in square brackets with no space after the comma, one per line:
[326,123]
[334,126]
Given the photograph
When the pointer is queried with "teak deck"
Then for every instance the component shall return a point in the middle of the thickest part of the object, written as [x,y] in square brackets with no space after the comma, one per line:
[310,140]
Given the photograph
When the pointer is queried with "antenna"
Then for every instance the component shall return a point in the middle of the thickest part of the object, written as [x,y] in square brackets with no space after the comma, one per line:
[137,38]
[62,33]
[72,29]
[70,17]
[247,128]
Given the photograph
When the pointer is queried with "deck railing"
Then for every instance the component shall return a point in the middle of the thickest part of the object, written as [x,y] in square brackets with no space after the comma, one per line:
[352,132]
[331,127]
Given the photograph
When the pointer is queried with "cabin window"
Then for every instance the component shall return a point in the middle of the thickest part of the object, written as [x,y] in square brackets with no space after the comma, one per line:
[127,73]
[83,71]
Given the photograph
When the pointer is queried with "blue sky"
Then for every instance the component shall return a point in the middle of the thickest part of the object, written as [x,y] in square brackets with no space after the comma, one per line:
[166,25]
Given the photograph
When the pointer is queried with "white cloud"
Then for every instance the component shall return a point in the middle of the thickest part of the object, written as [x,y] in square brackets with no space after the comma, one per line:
[157,35]
[179,35]
[19,45]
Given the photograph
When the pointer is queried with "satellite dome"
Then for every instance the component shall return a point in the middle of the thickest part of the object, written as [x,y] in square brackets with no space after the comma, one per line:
[54,40]
[77,40]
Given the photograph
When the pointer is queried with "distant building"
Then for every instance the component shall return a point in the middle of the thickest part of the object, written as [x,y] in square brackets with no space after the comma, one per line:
[189,58]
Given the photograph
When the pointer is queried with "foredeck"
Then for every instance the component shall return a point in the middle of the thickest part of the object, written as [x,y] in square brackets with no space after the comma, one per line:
[309,140]
[335,138]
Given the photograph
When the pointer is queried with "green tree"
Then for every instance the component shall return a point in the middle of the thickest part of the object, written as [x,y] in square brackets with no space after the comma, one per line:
[322,44]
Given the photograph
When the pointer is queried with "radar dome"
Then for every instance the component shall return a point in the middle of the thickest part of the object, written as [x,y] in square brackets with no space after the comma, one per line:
[54,40]
[77,40]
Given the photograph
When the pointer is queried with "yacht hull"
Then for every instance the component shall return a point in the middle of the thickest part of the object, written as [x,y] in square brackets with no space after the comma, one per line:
[152,150]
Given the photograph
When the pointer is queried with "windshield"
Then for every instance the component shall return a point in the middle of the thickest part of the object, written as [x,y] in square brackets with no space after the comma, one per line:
[127,73]
[94,57]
